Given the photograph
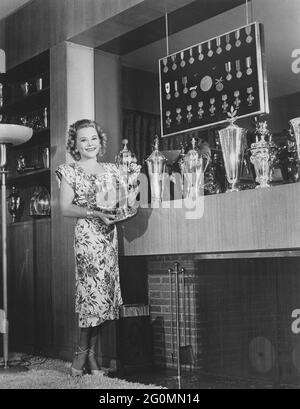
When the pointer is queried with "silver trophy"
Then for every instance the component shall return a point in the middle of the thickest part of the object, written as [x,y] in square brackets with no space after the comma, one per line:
[233,143]
[263,155]
[156,164]
[192,167]
[129,172]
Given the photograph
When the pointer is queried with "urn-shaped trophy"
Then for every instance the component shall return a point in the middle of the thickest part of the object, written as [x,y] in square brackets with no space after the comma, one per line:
[233,143]
[263,155]
[192,167]
[295,125]
[156,164]
[14,203]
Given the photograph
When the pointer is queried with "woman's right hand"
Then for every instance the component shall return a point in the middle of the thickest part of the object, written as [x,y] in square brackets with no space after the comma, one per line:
[107,218]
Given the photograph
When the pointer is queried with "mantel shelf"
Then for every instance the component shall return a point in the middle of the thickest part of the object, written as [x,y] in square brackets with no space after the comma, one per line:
[250,220]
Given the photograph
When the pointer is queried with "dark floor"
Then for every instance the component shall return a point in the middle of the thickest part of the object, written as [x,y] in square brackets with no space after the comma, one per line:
[193,380]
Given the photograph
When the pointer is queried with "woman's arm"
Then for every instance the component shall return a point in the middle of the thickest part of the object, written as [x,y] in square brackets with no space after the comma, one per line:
[68,209]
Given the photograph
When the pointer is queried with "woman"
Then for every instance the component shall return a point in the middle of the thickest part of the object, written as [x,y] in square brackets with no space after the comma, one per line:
[85,186]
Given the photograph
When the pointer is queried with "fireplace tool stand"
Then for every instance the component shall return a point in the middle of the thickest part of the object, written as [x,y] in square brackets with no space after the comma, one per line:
[184,353]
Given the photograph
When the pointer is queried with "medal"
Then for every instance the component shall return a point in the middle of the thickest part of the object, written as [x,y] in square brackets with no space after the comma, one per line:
[189,114]
[248,65]
[167,88]
[178,116]
[182,62]
[166,69]
[238,69]
[228,45]
[201,56]
[176,89]
[212,106]
[193,91]
[224,105]
[248,32]
[168,120]
[250,97]
[228,70]
[174,65]
[219,84]
[210,51]
[184,82]
[192,59]
[206,83]
[237,37]
[219,48]
[200,111]
[237,101]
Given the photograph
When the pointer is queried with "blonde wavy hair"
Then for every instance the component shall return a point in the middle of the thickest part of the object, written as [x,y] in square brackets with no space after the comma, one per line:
[72,135]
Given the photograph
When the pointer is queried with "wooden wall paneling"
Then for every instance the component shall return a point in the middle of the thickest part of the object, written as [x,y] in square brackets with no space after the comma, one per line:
[41,230]
[139,14]
[21,288]
[42,24]
[27,32]
[72,98]
[252,220]
[236,319]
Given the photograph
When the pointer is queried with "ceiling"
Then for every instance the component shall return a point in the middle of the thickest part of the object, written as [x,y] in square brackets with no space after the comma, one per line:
[9,6]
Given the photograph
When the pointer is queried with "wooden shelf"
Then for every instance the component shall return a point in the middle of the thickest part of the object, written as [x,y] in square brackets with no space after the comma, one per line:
[18,104]
[250,220]
[28,177]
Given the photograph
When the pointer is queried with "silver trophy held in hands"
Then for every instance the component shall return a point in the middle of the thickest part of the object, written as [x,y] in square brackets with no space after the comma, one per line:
[233,143]
[128,186]
[156,164]
[263,155]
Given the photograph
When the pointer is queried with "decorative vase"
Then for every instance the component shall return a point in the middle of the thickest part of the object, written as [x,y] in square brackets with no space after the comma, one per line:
[40,202]
[14,203]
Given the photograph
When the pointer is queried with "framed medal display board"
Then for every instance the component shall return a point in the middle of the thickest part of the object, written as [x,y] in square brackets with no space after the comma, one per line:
[200,84]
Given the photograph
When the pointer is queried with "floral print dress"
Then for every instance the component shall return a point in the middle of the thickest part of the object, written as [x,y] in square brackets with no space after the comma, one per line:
[98,293]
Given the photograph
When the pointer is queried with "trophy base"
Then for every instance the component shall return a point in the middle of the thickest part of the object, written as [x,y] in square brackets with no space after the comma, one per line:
[235,189]
[262,186]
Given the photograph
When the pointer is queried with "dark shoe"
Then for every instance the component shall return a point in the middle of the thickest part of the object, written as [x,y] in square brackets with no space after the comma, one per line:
[78,372]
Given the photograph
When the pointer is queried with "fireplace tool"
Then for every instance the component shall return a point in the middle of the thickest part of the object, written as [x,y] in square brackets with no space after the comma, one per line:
[184,353]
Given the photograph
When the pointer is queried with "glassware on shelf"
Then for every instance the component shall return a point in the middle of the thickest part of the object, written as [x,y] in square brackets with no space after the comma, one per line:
[14,204]
[233,143]
[21,163]
[263,155]
[40,202]
[39,84]
[25,87]
[156,164]
[46,158]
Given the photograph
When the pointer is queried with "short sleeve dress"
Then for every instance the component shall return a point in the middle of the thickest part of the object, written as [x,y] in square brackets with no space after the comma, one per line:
[98,294]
